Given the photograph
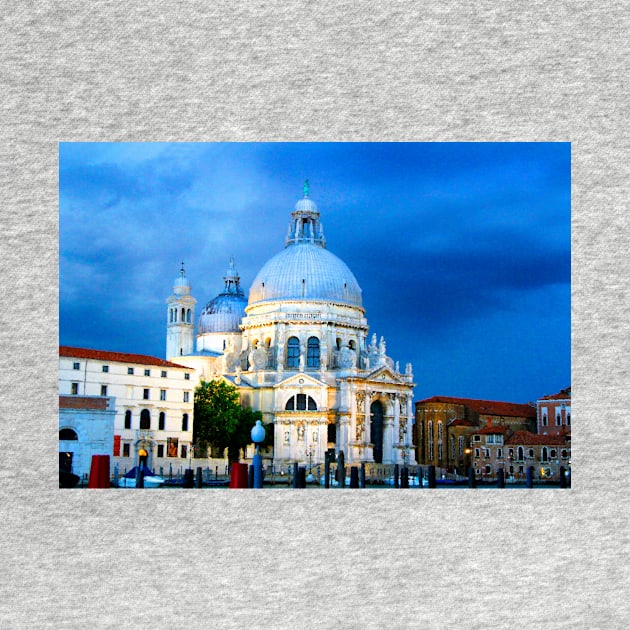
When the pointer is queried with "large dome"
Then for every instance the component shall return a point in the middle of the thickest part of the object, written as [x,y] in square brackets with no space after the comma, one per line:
[305,270]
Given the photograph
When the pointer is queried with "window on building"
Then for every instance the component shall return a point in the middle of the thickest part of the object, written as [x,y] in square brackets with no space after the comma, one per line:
[331,433]
[106,368]
[128,419]
[185,422]
[162,394]
[431,449]
[511,452]
[452,447]
[520,453]
[476,438]
[440,455]
[188,316]
[460,446]
[530,452]
[545,421]
[160,450]
[558,419]
[103,390]
[568,418]
[564,453]
[186,376]
[161,421]
[293,352]
[553,453]
[301,402]
[440,430]
[489,439]
[129,370]
[312,352]
[125,450]
[544,454]
[68,434]
[488,469]
[146,393]
[477,453]
[76,366]
[145,420]
[74,388]
[184,451]
[487,452]
[163,374]
[147,372]
[186,396]
[500,453]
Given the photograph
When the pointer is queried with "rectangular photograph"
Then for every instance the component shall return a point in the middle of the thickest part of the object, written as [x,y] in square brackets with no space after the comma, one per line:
[315,315]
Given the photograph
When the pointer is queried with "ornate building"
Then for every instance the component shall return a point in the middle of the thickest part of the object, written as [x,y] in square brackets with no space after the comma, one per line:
[298,350]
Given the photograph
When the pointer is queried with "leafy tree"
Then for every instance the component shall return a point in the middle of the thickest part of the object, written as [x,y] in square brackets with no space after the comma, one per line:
[220,421]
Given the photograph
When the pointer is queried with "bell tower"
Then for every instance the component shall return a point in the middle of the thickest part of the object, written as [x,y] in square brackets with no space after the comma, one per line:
[180,318]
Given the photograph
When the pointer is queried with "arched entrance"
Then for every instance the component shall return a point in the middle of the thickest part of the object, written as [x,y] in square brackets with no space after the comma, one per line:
[376,430]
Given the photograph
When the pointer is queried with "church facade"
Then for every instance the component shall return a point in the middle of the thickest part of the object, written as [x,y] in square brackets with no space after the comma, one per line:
[298,349]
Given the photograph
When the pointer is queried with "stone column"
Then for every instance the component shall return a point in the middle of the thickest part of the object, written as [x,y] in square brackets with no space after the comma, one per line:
[343,439]
[368,417]
[396,405]
[410,419]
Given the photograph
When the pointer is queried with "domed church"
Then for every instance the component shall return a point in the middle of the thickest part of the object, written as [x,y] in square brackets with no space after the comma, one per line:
[298,350]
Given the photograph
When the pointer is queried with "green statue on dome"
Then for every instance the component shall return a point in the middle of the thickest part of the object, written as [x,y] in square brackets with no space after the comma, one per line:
[306,188]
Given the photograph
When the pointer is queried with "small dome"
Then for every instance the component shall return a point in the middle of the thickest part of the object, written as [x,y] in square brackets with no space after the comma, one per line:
[181,286]
[223,314]
[306,205]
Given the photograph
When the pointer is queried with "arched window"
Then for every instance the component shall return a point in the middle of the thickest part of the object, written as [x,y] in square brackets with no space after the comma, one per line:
[185,422]
[520,453]
[293,352]
[162,421]
[68,434]
[544,455]
[338,343]
[183,314]
[145,419]
[188,316]
[128,419]
[301,402]
[312,352]
[352,345]
[170,315]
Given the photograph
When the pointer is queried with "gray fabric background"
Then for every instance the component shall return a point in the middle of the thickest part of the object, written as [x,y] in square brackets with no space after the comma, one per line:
[201,71]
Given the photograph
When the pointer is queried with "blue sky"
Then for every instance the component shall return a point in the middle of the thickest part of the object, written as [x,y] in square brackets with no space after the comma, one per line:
[462,250]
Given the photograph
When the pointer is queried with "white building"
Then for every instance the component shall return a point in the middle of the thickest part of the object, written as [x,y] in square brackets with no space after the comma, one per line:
[153,408]
[86,428]
[298,350]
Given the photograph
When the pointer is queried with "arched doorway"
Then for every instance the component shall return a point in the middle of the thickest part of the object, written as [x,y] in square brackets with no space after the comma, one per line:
[376,430]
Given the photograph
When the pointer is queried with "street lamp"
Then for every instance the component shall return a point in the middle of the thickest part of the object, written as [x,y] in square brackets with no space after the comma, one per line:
[258,435]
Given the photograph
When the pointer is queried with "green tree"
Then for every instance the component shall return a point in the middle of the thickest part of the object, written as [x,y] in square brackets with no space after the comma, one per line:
[220,421]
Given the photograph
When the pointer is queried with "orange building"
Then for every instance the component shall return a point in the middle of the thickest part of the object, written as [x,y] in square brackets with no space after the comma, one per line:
[444,426]
[554,413]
